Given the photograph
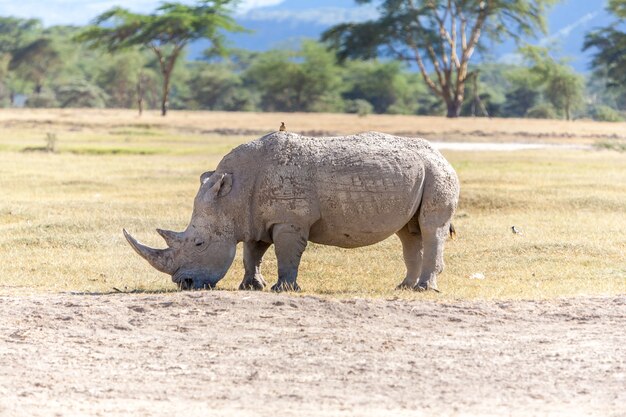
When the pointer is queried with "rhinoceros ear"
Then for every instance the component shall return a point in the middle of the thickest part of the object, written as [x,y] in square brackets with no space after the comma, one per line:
[205,177]
[223,185]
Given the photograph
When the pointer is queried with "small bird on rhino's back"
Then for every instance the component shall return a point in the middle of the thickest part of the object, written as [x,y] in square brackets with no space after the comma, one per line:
[282,127]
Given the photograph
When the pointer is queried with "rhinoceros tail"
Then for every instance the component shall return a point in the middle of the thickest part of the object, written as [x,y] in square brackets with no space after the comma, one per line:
[452,232]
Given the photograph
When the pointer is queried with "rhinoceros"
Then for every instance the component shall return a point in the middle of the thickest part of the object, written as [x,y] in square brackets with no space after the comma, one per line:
[287,190]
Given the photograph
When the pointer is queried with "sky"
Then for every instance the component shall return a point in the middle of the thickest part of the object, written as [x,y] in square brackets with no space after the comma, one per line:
[79,12]
[323,12]
[276,22]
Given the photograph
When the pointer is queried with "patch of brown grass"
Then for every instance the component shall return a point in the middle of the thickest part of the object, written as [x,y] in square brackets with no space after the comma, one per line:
[126,123]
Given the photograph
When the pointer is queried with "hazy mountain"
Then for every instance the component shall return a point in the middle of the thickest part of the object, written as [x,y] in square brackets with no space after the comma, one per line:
[292,20]
[276,23]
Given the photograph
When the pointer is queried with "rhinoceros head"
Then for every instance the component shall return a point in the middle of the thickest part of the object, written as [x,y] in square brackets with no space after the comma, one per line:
[200,256]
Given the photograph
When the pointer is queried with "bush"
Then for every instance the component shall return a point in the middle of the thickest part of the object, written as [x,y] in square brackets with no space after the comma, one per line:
[81,94]
[359,106]
[51,142]
[45,99]
[542,111]
[401,108]
[604,113]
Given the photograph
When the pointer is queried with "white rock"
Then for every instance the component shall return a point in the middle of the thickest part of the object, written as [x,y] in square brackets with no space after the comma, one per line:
[477,275]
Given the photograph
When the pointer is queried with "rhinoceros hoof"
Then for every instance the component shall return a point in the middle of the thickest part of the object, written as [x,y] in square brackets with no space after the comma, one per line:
[251,286]
[256,283]
[404,286]
[425,287]
[285,286]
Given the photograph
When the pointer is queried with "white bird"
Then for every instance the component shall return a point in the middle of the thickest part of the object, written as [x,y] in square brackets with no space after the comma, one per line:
[516,231]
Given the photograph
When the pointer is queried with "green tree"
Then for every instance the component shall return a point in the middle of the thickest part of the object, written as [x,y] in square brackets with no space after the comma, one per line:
[601,91]
[217,86]
[4,73]
[438,34]
[542,111]
[166,32]
[561,85]
[77,61]
[383,84]
[304,80]
[36,61]
[120,77]
[44,62]
[524,92]
[565,89]
[15,32]
[80,94]
[486,90]
[609,44]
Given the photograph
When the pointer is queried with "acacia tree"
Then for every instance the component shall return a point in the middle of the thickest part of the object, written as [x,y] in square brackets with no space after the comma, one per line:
[304,80]
[610,45]
[565,90]
[166,32]
[14,34]
[558,82]
[438,35]
[36,60]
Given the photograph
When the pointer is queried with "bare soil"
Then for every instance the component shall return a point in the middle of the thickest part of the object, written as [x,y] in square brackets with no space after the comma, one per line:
[259,354]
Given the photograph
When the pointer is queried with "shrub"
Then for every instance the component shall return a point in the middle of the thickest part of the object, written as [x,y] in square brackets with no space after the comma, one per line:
[359,106]
[45,99]
[51,142]
[542,111]
[604,113]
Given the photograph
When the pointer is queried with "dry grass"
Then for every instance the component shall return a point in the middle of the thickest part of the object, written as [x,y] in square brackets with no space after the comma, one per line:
[61,215]
[88,125]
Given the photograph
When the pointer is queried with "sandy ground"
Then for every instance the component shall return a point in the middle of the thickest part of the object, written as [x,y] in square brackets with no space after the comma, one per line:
[259,354]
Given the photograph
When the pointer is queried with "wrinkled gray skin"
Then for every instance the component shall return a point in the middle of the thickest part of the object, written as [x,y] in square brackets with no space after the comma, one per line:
[286,189]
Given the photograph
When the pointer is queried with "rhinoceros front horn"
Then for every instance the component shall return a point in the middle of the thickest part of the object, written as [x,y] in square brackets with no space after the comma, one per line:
[161,259]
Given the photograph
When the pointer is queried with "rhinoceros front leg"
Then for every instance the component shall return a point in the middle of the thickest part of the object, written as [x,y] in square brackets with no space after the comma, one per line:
[252,258]
[412,252]
[289,243]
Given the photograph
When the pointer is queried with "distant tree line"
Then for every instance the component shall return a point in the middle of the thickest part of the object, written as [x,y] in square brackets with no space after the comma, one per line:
[126,60]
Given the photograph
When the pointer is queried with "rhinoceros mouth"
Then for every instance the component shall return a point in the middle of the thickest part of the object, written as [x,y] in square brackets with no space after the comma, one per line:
[197,268]
[187,281]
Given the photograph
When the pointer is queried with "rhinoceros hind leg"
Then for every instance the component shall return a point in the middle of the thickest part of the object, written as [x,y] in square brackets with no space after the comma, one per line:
[432,265]
[289,243]
[252,258]
[412,252]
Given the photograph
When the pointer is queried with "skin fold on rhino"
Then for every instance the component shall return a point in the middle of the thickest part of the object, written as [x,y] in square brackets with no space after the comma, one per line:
[285,189]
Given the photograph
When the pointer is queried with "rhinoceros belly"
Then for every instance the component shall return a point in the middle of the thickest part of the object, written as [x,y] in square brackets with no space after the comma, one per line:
[363,205]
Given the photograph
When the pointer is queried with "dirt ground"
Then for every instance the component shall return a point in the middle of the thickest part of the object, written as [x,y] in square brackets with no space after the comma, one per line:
[259,354]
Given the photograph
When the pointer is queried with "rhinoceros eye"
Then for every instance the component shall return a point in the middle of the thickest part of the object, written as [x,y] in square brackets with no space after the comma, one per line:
[199,242]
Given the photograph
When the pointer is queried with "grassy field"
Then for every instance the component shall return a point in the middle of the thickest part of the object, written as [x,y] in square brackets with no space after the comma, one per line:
[61,214]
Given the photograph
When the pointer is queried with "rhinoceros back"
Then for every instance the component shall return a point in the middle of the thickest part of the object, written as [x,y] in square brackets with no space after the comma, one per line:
[351,191]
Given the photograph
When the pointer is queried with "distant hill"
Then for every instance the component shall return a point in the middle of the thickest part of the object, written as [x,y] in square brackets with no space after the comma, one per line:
[288,21]
[292,20]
